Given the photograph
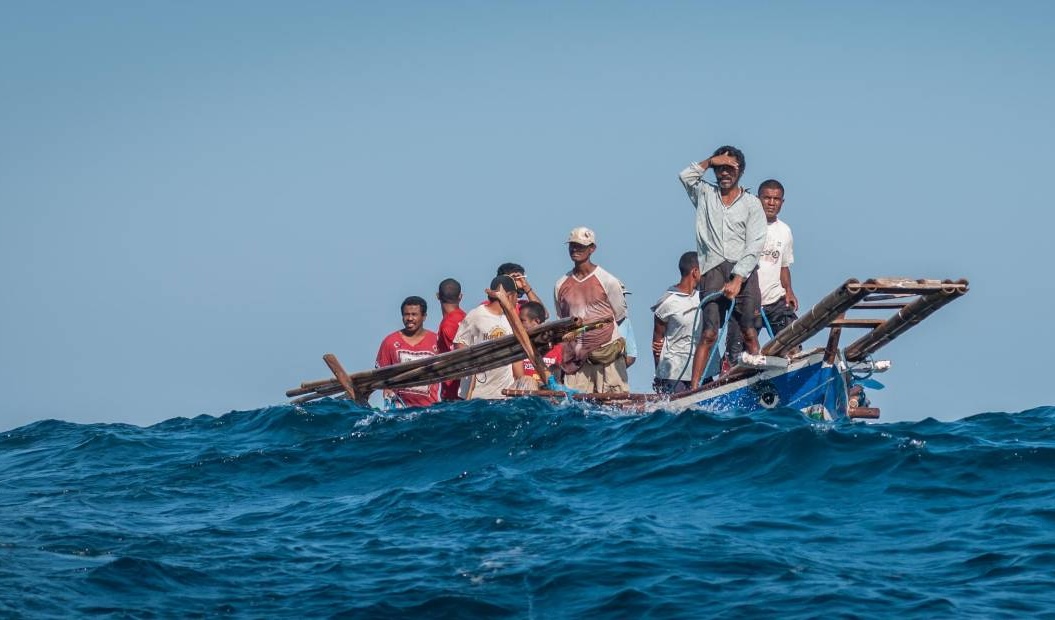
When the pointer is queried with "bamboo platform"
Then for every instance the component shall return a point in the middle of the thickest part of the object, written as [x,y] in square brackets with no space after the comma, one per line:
[443,367]
[914,300]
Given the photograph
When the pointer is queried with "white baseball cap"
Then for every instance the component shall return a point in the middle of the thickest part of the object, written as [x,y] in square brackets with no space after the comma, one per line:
[582,235]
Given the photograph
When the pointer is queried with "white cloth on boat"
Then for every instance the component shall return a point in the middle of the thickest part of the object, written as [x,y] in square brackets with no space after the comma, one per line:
[777,253]
[626,330]
[481,325]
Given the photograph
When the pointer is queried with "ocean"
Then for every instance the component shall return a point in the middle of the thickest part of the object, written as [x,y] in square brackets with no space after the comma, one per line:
[524,509]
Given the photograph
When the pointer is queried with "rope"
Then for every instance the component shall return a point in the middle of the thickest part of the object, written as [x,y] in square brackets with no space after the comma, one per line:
[765,319]
[552,384]
[721,333]
[396,400]
[823,386]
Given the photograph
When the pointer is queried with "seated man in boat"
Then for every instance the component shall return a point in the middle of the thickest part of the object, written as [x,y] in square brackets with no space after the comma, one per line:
[450,297]
[730,232]
[532,313]
[484,323]
[595,361]
[779,302]
[676,315]
[410,343]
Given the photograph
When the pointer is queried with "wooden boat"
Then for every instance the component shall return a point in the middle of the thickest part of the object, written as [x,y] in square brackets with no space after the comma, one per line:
[824,383]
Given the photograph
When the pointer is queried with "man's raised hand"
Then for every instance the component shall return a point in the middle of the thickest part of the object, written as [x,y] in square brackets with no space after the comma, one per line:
[724,160]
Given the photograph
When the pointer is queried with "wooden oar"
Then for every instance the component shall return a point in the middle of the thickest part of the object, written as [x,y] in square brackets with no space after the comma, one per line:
[521,334]
[340,374]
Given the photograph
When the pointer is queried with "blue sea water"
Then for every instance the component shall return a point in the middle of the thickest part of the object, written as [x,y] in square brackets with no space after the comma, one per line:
[526,509]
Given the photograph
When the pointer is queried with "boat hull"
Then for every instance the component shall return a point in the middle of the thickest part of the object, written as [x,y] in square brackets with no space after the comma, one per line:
[808,384]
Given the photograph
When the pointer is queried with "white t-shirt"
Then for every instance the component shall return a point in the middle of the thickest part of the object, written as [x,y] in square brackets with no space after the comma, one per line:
[678,311]
[480,325]
[776,253]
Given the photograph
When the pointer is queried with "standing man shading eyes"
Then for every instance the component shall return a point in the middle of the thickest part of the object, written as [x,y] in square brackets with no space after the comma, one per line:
[730,232]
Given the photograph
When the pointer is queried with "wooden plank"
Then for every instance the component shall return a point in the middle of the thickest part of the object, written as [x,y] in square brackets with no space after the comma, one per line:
[521,335]
[907,285]
[817,318]
[342,377]
[901,322]
[863,413]
[870,323]
[454,364]
[831,349]
[881,305]
[589,396]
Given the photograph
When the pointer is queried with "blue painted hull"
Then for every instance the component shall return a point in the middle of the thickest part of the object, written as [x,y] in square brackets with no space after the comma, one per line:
[816,389]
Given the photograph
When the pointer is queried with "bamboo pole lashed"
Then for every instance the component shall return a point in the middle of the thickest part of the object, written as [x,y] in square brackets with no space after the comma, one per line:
[905,319]
[452,365]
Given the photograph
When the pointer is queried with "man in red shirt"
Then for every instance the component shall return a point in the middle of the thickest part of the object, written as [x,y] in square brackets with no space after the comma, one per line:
[410,343]
[450,296]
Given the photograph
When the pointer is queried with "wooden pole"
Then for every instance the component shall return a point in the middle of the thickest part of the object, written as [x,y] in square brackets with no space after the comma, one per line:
[835,303]
[338,371]
[521,334]
[458,363]
[905,319]
[831,350]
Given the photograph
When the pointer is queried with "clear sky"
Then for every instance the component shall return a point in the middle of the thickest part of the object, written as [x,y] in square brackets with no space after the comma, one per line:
[199,199]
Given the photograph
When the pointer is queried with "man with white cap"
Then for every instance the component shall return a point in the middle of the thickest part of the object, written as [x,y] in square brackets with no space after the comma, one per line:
[595,361]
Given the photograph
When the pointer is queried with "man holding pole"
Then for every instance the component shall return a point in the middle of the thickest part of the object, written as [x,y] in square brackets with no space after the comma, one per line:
[730,232]
[483,323]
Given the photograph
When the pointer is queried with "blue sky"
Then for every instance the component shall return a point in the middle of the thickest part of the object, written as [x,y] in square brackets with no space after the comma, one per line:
[198,200]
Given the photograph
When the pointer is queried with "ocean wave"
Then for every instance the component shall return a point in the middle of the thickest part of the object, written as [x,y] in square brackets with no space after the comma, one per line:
[525,508]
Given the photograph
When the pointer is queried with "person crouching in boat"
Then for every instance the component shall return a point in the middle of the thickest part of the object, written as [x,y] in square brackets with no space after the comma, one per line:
[533,313]
[730,232]
[484,323]
[595,361]
[410,343]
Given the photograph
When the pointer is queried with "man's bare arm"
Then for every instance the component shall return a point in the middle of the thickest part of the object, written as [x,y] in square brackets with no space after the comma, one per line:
[522,282]
[659,331]
[789,295]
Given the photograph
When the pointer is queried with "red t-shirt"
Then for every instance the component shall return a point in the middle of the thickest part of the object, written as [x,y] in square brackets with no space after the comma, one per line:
[551,358]
[445,343]
[395,349]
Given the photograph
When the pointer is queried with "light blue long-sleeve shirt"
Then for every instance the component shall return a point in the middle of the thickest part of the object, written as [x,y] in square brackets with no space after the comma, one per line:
[734,233]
